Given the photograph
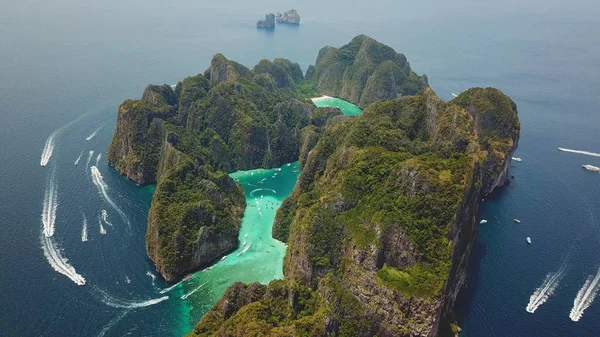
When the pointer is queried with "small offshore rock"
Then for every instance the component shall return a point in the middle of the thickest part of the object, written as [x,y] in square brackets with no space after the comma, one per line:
[268,22]
[290,16]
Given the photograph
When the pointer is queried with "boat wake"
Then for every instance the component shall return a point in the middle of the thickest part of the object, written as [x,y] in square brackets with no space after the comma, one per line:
[245,249]
[102,230]
[105,218]
[58,262]
[166,290]
[89,158]
[577,151]
[546,290]
[152,276]
[191,292]
[585,296]
[93,134]
[50,206]
[124,304]
[113,322]
[84,231]
[262,189]
[99,182]
[48,148]
[78,158]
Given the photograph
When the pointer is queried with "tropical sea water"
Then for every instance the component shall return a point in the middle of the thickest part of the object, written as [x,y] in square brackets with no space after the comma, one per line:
[67,65]
[346,107]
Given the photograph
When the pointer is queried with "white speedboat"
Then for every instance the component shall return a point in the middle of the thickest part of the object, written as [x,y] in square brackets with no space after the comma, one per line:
[592,168]
[516,159]
[483,221]
[528,240]
[517,220]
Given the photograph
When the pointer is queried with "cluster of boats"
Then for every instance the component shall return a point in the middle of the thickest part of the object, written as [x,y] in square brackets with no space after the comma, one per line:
[484,221]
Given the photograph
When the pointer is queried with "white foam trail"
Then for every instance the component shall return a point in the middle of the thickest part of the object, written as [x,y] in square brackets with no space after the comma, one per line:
[112,322]
[78,158]
[50,206]
[48,148]
[261,189]
[245,249]
[191,292]
[547,289]
[98,158]
[580,152]
[58,262]
[166,290]
[99,182]
[585,297]
[84,231]
[89,158]
[102,230]
[105,218]
[152,276]
[119,303]
[93,133]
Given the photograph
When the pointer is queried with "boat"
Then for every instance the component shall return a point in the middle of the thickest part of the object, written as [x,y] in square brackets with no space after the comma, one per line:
[187,278]
[516,159]
[483,221]
[528,240]
[592,168]
[288,164]
[224,257]
[517,220]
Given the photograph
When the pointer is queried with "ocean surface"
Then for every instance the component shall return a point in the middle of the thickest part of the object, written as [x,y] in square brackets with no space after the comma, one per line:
[65,67]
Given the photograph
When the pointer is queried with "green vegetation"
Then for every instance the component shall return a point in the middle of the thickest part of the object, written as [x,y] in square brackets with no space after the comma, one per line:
[363,72]
[419,280]
[378,212]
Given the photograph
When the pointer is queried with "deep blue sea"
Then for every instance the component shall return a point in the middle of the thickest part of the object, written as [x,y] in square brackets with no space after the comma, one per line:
[65,66]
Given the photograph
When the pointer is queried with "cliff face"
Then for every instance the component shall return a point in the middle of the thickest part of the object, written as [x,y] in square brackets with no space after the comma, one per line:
[382,220]
[290,16]
[184,140]
[268,22]
[136,141]
[363,72]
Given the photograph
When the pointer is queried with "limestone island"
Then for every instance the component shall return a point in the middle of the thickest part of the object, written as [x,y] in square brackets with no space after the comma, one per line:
[381,223]
[268,22]
[290,17]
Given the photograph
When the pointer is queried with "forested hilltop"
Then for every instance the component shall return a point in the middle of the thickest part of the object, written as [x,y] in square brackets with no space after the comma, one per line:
[381,222]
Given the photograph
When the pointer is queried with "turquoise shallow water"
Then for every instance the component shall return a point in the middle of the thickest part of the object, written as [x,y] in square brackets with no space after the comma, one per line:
[67,61]
[346,107]
[259,257]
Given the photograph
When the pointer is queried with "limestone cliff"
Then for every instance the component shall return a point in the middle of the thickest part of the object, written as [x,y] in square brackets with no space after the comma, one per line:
[290,16]
[268,22]
[184,140]
[381,222]
[364,71]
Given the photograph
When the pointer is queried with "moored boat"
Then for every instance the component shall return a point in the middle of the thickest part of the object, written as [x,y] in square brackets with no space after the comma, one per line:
[528,240]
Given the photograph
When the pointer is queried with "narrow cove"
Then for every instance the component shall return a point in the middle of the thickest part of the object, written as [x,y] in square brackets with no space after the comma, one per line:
[259,257]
